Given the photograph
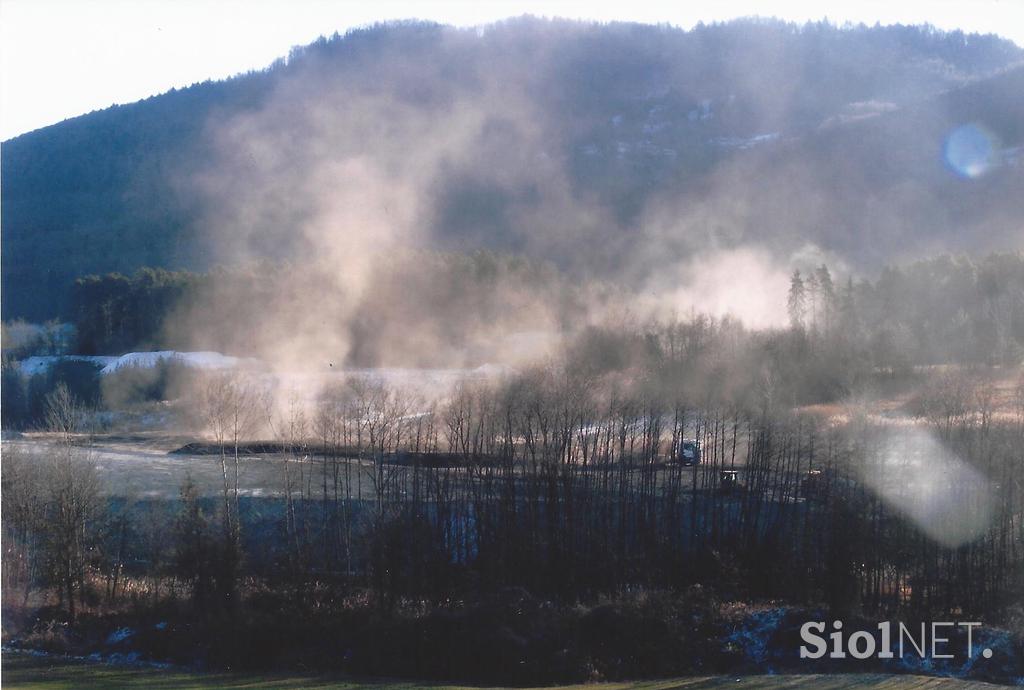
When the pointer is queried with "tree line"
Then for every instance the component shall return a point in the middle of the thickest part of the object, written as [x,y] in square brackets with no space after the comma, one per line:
[942,310]
[845,337]
[454,299]
[947,309]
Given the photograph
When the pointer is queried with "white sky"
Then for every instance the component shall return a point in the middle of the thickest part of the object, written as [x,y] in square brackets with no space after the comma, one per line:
[61,58]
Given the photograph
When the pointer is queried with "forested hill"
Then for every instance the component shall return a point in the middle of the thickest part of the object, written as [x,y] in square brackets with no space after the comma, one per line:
[608,149]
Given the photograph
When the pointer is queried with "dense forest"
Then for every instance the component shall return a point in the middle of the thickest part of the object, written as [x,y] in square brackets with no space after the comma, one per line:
[444,300]
[610,139]
[951,309]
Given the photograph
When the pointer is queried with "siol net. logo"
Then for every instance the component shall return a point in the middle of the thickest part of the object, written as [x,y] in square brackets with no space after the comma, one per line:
[929,641]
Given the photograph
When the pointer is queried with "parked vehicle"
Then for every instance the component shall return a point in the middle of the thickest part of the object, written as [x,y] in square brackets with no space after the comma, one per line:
[728,481]
[689,453]
[813,485]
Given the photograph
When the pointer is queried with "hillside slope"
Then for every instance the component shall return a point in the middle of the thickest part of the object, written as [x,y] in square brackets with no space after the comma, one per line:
[616,150]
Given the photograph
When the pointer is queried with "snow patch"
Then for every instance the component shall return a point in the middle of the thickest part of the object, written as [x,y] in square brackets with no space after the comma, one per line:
[741,143]
[753,635]
[198,360]
[32,366]
[119,635]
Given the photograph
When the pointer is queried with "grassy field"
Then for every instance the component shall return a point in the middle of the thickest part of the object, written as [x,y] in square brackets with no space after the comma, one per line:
[22,671]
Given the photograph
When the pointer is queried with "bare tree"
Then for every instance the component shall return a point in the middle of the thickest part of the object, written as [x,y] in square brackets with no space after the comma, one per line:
[234,408]
[74,506]
[24,513]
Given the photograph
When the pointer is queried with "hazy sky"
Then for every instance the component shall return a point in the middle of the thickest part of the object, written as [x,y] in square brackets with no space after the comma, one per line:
[61,58]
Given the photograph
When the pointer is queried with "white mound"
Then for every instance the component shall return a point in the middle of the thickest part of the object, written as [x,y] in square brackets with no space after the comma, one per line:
[199,360]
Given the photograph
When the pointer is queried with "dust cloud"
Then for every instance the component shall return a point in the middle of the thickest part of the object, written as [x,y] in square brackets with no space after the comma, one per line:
[375,190]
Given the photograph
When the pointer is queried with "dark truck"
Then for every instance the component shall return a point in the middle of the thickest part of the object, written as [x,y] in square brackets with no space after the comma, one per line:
[689,453]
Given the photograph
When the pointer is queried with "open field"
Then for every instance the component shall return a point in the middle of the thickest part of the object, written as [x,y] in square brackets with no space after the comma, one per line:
[21,671]
[141,466]
[145,466]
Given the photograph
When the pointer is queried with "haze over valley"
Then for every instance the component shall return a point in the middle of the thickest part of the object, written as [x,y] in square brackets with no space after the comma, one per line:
[538,352]
[637,170]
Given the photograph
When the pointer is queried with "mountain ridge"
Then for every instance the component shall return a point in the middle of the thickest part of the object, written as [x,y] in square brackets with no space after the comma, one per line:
[609,148]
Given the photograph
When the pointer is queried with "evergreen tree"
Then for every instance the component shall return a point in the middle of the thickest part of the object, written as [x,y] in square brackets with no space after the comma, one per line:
[797,301]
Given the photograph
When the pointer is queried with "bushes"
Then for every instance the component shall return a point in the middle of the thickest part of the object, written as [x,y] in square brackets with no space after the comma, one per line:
[133,385]
[13,396]
[24,397]
[53,512]
[652,634]
[509,637]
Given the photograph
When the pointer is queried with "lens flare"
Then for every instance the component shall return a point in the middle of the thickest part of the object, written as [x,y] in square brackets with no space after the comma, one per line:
[917,476]
[971,151]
